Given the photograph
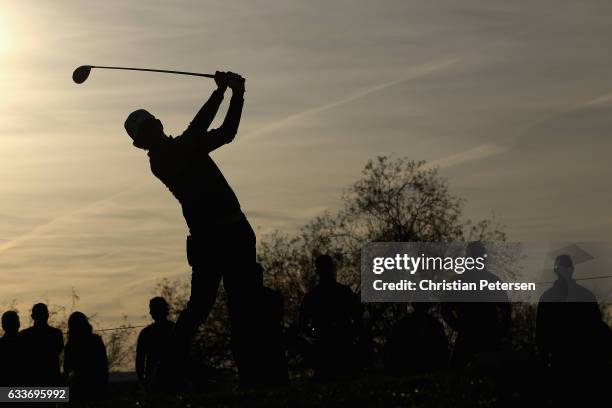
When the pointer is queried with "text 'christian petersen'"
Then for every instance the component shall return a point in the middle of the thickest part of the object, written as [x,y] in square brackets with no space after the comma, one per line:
[458,285]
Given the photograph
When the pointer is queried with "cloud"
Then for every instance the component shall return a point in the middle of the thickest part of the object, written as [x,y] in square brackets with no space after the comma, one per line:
[53,223]
[476,153]
[474,77]
[581,104]
[417,72]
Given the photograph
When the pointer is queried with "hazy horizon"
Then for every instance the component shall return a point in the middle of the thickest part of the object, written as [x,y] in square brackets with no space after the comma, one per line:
[511,100]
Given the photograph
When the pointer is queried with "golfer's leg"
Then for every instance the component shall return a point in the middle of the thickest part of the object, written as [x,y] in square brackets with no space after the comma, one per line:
[243,329]
[240,301]
[205,279]
[204,287]
[242,250]
[174,364]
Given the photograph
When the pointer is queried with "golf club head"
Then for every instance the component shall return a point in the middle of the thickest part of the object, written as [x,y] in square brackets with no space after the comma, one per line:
[81,74]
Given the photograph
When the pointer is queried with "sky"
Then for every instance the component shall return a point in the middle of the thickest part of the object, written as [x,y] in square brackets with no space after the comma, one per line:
[510,99]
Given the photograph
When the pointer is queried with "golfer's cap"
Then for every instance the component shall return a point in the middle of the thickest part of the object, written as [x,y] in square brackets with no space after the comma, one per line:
[134,120]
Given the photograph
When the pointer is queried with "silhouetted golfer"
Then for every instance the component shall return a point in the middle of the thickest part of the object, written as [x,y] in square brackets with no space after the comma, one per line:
[152,340]
[330,318]
[43,345]
[264,344]
[221,241]
[417,343]
[481,326]
[11,351]
[85,360]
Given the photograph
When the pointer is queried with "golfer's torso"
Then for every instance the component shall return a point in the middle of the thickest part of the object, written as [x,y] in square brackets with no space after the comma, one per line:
[195,180]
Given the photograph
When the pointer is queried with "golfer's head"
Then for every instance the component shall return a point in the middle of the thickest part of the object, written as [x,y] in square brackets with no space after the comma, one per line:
[564,266]
[144,128]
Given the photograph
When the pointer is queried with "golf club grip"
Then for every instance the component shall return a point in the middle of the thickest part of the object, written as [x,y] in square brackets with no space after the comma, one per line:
[157,70]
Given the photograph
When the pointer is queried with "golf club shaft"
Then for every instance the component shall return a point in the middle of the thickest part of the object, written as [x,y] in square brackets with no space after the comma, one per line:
[157,70]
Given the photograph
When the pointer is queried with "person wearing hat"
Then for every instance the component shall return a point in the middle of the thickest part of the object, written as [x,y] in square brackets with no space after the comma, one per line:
[568,321]
[572,339]
[221,242]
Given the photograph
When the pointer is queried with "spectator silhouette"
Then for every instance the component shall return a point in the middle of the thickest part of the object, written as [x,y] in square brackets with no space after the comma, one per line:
[571,336]
[265,343]
[417,343]
[481,319]
[570,331]
[152,340]
[330,319]
[221,243]
[43,345]
[85,360]
[11,351]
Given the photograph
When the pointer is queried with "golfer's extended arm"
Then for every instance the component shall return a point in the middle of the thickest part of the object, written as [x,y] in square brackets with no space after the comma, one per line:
[206,114]
[227,131]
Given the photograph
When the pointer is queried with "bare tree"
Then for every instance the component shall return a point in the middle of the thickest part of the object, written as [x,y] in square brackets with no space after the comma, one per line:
[395,200]
[120,346]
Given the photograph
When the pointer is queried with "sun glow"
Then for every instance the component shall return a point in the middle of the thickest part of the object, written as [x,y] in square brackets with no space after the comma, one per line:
[4,36]
[8,29]
[3,43]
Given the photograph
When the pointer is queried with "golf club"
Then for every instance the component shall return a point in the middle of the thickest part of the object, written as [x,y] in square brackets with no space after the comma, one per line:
[81,74]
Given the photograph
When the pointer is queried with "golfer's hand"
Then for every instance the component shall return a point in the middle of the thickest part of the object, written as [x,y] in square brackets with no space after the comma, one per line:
[235,82]
[221,79]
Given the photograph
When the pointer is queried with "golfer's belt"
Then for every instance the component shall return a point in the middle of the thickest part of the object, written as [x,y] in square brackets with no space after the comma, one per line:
[232,218]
